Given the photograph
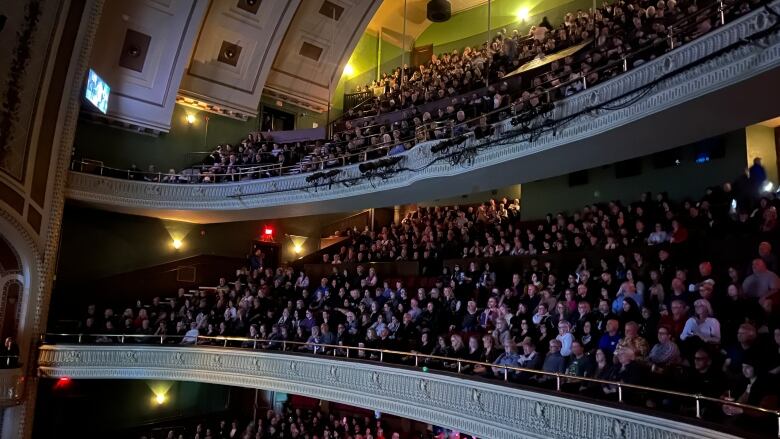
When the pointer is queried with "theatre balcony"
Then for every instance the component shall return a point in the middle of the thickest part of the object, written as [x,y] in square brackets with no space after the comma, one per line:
[440,391]
[722,80]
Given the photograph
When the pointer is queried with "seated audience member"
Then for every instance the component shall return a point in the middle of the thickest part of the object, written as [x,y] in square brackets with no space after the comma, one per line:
[762,282]
[632,339]
[510,357]
[701,328]
[191,336]
[665,353]
[610,339]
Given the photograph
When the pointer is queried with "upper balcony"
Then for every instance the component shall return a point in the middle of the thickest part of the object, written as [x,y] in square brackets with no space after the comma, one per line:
[436,390]
[684,92]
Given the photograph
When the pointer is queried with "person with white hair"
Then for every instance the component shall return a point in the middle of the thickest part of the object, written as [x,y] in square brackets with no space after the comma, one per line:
[702,325]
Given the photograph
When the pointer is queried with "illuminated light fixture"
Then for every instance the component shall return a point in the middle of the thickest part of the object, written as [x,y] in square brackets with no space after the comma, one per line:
[768,186]
[523,14]
[159,399]
[268,231]
[190,119]
[177,244]
[297,243]
[349,70]
[62,383]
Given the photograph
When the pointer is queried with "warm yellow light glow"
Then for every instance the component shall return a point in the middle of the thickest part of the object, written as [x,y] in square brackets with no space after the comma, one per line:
[159,399]
[176,244]
[297,249]
[349,70]
[190,119]
[523,14]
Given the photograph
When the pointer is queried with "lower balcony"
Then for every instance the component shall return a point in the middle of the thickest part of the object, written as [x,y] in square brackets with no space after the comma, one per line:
[486,408]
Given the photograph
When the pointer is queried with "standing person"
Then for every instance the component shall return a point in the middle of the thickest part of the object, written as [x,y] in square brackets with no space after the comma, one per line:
[10,354]
[757,176]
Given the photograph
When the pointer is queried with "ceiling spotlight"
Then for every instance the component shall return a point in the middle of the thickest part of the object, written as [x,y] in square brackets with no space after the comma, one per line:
[439,11]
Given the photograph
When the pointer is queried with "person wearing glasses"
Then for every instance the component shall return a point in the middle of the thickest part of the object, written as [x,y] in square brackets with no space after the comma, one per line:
[565,337]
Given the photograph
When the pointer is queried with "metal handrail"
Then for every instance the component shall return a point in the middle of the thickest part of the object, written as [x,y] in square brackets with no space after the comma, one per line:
[245,169]
[382,353]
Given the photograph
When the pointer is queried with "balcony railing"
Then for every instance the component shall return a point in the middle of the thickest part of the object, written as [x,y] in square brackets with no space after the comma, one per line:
[692,402]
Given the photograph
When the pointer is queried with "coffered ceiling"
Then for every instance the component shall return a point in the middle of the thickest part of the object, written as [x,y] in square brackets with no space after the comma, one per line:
[317,45]
[233,54]
[221,56]
[141,50]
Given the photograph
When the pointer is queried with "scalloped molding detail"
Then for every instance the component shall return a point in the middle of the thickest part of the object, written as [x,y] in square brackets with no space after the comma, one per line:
[479,408]
[718,72]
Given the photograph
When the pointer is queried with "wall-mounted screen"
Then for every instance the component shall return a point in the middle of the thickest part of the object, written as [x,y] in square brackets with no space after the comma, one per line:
[97,91]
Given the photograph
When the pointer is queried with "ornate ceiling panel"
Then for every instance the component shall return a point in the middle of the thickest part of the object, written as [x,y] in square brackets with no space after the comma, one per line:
[141,50]
[316,48]
[233,53]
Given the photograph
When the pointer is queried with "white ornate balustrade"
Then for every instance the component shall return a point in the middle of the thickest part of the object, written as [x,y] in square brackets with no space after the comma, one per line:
[710,63]
[475,407]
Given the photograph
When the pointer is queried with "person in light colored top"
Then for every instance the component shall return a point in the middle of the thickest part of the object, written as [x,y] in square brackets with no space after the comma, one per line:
[702,325]
[191,336]
[565,337]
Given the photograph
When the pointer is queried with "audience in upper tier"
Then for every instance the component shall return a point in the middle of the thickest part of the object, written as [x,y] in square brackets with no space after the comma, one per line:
[659,312]
[457,81]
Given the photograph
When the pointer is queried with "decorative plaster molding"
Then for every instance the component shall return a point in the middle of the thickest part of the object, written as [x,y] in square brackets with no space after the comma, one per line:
[483,409]
[710,70]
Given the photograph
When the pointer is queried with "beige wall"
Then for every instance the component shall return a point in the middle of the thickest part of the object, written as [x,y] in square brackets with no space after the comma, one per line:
[760,141]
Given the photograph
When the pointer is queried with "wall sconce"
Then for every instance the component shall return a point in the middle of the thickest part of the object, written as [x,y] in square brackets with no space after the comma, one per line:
[297,242]
[523,14]
[159,399]
[190,119]
[177,244]
[349,70]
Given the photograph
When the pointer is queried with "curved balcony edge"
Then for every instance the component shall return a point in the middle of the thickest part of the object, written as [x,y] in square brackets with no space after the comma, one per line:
[706,65]
[475,407]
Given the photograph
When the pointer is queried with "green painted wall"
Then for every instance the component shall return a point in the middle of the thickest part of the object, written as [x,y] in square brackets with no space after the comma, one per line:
[688,179]
[364,65]
[98,243]
[119,148]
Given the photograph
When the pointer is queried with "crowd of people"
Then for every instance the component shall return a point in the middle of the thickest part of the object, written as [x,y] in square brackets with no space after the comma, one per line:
[290,423]
[643,306]
[457,80]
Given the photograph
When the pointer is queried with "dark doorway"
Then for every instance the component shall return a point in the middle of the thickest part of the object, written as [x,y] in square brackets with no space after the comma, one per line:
[271,252]
[276,120]
[422,55]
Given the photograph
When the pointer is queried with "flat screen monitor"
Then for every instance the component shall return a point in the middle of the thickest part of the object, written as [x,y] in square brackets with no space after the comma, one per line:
[97,91]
